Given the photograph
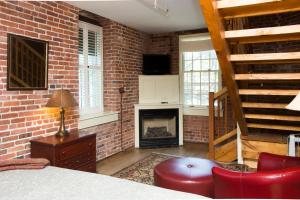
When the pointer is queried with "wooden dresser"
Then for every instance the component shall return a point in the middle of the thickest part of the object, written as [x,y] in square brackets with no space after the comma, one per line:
[72,152]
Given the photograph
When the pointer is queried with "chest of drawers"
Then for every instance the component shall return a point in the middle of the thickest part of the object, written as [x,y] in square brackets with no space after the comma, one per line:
[72,152]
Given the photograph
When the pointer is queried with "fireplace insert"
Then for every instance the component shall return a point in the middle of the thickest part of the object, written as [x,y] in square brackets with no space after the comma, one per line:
[158,128]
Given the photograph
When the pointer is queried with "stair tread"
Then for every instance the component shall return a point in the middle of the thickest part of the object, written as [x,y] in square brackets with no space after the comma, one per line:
[273,117]
[272,126]
[268,92]
[241,8]
[276,76]
[263,105]
[269,34]
[266,137]
[290,57]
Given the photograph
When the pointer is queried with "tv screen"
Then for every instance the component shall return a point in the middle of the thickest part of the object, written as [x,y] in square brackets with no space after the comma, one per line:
[156,64]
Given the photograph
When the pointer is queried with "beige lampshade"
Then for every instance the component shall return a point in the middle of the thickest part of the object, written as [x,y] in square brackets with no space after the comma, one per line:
[295,104]
[62,99]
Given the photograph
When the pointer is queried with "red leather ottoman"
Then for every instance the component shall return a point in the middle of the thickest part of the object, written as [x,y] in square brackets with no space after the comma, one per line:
[186,174]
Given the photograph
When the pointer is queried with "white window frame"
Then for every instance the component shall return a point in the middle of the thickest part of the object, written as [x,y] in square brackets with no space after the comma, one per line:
[93,116]
[205,37]
[97,29]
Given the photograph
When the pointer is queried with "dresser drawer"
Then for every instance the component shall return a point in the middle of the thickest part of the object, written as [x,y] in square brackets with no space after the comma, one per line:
[80,148]
[90,167]
[79,160]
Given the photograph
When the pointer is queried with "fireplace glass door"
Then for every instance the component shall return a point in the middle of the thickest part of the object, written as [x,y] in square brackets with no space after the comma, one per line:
[158,127]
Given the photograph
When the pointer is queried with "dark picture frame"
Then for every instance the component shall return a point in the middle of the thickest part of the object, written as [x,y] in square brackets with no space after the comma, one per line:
[27,63]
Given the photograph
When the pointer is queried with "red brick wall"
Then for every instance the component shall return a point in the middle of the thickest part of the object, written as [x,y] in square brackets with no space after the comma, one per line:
[195,128]
[22,113]
[122,54]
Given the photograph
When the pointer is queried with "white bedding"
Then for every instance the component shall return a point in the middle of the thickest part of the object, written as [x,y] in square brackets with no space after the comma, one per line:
[54,183]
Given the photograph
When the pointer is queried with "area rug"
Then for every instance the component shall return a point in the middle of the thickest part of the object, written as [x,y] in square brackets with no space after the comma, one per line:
[142,170]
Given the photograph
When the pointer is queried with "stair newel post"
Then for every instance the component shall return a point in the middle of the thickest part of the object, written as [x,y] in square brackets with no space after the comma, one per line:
[211,125]
[225,114]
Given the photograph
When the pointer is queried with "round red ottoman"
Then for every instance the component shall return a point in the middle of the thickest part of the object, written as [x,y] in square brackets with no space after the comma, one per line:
[186,174]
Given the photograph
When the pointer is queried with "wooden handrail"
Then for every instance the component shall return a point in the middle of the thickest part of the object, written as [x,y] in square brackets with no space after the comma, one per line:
[225,137]
[219,121]
[220,93]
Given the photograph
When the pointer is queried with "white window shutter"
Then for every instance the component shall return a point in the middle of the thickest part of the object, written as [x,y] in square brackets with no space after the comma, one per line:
[90,68]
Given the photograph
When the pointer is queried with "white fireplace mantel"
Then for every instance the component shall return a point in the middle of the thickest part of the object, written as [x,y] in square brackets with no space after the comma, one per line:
[139,107]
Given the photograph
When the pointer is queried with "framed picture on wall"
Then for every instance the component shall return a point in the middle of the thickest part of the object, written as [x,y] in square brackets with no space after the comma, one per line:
[27,63]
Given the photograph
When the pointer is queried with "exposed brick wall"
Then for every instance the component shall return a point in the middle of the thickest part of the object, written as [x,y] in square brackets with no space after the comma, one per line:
[195,128]
[22,113]
[108,139]
[123,48]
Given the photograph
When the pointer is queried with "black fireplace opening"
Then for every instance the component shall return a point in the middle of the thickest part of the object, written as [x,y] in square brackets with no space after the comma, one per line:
[158,128]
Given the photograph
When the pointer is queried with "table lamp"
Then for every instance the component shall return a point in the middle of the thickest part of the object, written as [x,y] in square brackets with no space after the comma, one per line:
[62,99]
[294,138]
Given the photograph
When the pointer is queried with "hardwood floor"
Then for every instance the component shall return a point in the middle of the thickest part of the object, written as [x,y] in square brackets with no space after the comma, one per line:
[126,158]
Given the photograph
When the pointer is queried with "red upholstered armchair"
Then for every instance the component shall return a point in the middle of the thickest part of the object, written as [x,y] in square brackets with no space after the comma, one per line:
[268,162]
[277,177]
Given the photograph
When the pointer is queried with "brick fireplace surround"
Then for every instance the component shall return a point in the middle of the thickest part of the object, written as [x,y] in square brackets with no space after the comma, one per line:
[22,113]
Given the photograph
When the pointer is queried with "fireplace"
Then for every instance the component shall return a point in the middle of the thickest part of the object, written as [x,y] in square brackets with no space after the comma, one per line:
[158,128]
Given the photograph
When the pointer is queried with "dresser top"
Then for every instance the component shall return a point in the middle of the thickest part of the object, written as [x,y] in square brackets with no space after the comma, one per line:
[53,140]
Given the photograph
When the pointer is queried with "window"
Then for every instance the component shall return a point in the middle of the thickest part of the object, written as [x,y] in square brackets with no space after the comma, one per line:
[199,72]
[200,76]
[90,69]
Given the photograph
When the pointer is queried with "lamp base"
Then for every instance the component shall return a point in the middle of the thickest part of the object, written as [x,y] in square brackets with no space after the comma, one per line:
[62,131]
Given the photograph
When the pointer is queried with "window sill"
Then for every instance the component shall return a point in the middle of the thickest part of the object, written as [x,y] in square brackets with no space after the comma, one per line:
[91,120]
[198,111]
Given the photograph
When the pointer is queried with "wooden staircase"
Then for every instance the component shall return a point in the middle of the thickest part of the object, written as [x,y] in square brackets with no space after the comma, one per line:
[259,83]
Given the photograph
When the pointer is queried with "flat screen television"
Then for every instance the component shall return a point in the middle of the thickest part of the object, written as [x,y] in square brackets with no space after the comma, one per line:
[156,64]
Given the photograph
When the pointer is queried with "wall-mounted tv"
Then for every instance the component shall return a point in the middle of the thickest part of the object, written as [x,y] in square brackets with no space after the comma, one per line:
[156,64]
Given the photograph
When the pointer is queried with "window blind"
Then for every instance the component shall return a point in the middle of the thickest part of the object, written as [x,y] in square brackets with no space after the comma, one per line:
[90,47]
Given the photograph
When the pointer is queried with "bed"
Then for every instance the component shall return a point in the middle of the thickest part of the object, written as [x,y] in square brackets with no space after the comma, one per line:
[53,183]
